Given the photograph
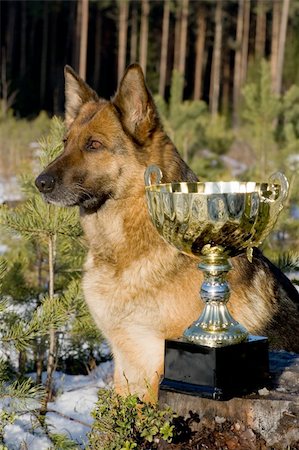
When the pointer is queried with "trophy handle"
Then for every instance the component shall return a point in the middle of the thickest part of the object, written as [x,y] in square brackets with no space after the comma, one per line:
[281,179]
[152,170]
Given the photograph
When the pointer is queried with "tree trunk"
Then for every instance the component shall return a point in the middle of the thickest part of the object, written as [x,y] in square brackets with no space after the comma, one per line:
[76,48]
[216,63]
[134,34]
[53,64]
[83,39]
[281,45]
[10,34]
[44,56]
[177,35]
[200,46]
[23,39]
[276,14]
[164,48]
[22,362]
[260,32]
[51,362]
[226,100]
[4,84]
[70,41]
[97,49]
[245,41]
[39,357]
[183,40]
[237,65]
[123,6]
[145,7]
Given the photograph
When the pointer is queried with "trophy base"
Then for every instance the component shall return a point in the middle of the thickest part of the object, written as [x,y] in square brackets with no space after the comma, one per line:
[218,373]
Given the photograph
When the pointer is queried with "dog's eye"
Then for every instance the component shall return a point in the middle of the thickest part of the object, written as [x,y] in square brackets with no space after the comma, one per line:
[93,145]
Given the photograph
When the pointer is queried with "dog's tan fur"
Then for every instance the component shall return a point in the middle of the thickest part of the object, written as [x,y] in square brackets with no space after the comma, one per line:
[139,289]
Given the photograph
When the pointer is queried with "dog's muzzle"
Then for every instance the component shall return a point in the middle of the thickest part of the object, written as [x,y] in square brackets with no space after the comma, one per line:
[45,183]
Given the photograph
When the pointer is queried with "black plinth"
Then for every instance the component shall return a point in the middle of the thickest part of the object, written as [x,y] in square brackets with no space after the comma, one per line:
[218,373]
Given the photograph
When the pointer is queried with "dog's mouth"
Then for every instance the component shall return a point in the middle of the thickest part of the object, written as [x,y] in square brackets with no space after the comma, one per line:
[90,202]
[76,194]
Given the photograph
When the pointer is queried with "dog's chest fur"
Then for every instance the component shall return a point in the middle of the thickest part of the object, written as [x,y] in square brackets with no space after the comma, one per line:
[131,274]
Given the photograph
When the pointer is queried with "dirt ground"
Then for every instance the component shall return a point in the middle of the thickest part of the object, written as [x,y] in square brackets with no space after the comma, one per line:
[219,434]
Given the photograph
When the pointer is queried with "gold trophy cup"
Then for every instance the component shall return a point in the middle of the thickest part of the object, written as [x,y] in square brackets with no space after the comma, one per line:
[214,221]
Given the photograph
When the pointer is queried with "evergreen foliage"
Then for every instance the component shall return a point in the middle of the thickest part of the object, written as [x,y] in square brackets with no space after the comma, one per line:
[19,394]
[261,110]
[190,127]
[271,129]
[41,299]
[125,423]
[62,442]
[182,119]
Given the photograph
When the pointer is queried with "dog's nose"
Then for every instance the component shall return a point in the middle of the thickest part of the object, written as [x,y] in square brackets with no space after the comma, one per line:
[45,183]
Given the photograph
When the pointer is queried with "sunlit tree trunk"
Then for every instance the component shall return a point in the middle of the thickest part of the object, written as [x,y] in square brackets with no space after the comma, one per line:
[83,39]
[183,39]
[276,15]
[200,46]
[40,341]
[216,63]
[76,47]
[97,48]
[123,6]
[164,48]
[226,78]
[134,34]
[7,97]
[281,44]
[52,351]
[245,41]
[260,31]
[238,62]
[145,7]
[177,35]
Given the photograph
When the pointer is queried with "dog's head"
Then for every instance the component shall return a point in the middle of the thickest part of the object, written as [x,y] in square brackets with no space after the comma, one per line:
[108,144]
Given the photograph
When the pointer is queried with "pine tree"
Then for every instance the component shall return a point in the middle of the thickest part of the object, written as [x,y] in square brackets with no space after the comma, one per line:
[53,236]
[189,125]
[181,119]
[261,111]
[271,129]
[18,393]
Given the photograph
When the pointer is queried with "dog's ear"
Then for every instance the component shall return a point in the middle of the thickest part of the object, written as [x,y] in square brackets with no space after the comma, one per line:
[77,92]
[136,105]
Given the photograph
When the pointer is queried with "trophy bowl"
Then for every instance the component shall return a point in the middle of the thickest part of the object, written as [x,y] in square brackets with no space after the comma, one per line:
[213,221]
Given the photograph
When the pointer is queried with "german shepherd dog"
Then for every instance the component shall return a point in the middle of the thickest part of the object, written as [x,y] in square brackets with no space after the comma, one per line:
[140,290]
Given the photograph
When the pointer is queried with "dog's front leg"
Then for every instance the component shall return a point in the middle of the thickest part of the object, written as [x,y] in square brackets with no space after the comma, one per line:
[138,366]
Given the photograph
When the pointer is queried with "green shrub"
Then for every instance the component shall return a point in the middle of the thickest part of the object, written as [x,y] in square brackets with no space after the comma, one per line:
[125,423]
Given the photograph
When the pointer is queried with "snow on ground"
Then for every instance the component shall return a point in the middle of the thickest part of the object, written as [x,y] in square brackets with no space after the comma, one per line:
[9,189]
[75,399]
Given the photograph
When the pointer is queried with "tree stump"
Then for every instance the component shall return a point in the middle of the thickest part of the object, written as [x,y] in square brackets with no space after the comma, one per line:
[272,412]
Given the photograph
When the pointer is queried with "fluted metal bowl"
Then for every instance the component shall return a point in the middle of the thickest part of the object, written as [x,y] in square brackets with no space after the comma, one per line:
[199,217]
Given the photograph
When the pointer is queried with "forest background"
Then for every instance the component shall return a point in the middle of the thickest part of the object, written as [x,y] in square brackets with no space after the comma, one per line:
[225,76]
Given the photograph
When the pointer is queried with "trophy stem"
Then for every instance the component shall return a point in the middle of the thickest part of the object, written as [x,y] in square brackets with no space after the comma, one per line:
[215,326]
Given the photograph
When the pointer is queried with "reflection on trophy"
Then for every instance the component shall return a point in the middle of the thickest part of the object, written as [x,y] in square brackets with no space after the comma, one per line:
[214,221]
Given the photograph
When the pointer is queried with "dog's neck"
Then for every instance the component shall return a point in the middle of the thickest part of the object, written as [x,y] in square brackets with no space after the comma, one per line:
[121,229]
